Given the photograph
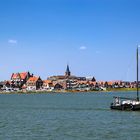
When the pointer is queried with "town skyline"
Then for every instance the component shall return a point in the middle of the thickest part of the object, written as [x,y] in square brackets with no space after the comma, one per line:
[26,82]
[97,38]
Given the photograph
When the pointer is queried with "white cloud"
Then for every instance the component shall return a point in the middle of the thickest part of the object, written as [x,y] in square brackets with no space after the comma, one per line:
[83,48]
[12,41]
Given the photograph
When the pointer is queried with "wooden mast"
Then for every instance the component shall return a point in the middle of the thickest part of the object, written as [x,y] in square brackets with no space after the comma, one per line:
[137,75]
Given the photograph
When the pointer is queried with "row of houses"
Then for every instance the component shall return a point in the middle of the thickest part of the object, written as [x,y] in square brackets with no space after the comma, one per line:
[22,81]
[26,81]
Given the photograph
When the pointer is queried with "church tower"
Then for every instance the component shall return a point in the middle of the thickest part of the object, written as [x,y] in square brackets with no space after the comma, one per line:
[67,73]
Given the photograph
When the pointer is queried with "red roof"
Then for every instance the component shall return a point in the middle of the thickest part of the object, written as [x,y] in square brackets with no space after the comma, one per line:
[47,81]
[33,79]
[21,75]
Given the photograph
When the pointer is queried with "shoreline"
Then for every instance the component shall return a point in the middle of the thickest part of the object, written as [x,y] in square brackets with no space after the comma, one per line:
[71,91]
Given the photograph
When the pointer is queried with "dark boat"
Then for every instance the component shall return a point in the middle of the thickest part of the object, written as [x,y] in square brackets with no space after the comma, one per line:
[122,103]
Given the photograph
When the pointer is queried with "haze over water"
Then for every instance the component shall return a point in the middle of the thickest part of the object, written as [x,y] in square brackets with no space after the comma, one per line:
[84,116]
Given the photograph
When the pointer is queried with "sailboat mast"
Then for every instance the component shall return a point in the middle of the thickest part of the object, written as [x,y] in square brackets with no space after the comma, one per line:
[137,75]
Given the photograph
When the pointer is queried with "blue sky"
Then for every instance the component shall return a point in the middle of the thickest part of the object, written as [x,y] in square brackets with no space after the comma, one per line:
[96,37]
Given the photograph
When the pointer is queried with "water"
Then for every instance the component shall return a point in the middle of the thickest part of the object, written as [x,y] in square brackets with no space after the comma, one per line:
[84,116]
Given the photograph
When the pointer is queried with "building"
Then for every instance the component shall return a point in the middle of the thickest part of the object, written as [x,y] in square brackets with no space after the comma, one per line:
[47,85]
[67,73]
[5,85]
[19,79]
[34,83]
[67,80]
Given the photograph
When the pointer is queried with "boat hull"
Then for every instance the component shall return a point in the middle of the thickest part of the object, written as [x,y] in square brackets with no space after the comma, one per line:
[127,107]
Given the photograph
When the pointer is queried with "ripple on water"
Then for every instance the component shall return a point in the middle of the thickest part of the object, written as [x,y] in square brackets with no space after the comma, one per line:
[60,117]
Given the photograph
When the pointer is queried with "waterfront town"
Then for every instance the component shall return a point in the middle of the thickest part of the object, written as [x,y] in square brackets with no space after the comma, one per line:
[27,82]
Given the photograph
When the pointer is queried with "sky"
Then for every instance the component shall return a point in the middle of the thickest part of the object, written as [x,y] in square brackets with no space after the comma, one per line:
[95,37]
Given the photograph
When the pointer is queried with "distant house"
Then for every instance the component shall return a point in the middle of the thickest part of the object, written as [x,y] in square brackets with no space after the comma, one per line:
[34,83]
[19,79]
[58,86]
[47,85]
[113,84]
[83,85]
[71,84]
[4,85]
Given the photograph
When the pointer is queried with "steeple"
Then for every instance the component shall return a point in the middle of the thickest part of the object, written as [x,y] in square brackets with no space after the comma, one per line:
[67,73]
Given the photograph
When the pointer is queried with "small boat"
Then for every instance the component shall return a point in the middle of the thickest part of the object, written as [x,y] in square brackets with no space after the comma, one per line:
[130,104]
[122,103]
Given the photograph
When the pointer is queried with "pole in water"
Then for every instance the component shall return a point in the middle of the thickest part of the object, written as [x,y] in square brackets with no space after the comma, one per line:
[137,75]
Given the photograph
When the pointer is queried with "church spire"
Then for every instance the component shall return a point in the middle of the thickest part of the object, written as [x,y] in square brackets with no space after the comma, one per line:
[67,73]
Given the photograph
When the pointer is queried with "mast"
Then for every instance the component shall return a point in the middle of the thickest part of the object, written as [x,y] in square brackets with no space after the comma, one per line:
[137,75]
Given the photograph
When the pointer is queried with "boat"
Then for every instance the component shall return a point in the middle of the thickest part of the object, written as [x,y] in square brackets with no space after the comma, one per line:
[129,104]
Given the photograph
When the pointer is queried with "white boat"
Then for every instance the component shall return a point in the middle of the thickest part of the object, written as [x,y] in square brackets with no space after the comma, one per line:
[122,103]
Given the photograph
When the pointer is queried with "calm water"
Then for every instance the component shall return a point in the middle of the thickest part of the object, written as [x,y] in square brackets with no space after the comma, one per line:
[66,117]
